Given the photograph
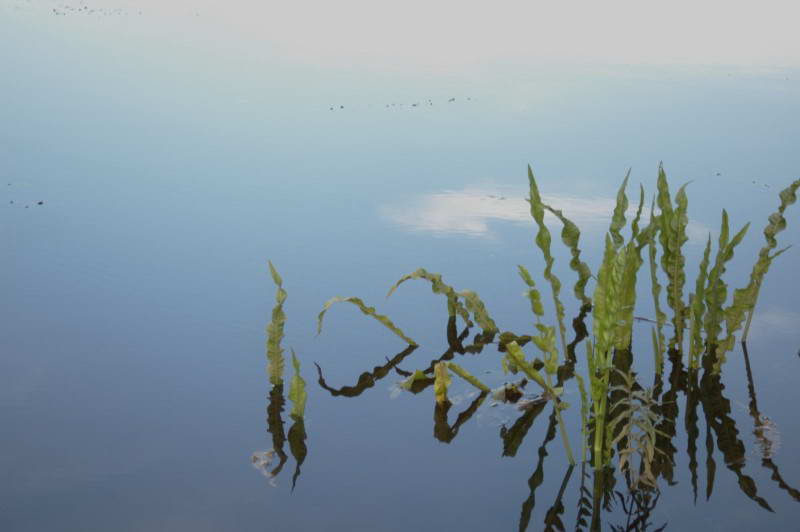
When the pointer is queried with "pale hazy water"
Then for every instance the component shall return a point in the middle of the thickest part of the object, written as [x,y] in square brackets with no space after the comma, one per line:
[173,164]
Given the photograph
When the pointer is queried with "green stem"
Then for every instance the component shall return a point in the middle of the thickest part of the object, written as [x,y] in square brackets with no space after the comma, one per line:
[599,427]
[750,316]
[561,426]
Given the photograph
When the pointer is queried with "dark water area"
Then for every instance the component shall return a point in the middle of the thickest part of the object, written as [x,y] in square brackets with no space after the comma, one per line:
[146,178]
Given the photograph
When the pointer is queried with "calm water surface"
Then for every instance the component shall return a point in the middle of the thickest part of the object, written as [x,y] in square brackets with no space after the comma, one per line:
[170,166]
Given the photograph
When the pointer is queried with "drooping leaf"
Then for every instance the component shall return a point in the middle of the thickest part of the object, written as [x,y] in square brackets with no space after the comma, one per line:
[464,374]
[369,311]
[474,304]
[517,357]
[275,361]
[438,286]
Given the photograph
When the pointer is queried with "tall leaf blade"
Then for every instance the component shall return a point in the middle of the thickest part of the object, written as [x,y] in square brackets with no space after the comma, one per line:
[698,308]
[275,361]
[618,217]
[543,240]
[745,299]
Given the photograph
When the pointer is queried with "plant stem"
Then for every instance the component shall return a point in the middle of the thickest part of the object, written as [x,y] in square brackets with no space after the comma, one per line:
[752,311]
[561,426]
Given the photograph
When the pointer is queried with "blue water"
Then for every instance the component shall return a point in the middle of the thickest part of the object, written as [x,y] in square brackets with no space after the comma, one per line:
[171,165]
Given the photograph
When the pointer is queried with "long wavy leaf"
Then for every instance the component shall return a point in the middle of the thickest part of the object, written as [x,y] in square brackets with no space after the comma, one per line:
[543,240]
[570,236]
[275,361]
[438,286]
[369,311]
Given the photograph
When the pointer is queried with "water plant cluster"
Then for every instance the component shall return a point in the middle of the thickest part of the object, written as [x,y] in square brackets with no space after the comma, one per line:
[619,416]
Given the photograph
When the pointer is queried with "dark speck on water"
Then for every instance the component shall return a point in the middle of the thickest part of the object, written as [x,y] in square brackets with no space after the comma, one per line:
[40,203]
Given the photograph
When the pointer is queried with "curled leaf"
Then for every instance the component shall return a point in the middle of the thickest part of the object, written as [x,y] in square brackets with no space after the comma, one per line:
[369,311]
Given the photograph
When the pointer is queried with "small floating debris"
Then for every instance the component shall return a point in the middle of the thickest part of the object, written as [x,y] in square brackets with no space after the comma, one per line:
[40,203]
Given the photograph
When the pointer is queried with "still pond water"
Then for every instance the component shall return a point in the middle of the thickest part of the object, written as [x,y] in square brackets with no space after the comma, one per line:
[147,177]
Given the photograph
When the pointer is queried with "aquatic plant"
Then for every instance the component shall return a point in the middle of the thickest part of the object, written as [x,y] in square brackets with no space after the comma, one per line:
[275,362]
[618,417]
[369,311]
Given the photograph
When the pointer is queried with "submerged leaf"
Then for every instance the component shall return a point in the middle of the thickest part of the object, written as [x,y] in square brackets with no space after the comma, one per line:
[369,311]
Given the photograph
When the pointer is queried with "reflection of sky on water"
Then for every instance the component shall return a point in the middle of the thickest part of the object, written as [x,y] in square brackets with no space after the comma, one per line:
[471,210]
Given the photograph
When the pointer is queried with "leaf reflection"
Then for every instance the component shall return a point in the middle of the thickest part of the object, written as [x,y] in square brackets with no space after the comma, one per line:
[367,379]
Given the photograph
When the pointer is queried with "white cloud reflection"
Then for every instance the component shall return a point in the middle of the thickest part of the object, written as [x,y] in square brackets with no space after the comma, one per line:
[471,210]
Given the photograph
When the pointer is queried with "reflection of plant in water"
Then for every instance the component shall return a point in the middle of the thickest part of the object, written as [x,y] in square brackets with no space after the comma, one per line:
[633,424]
[618,416]
[637,505]
[297,395]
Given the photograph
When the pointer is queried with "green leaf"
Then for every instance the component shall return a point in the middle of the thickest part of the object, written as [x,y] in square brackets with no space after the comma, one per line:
[474,304]
[441,382]
[744,299]
[543,241]
[275,362]
[697,311]
[438,286]
[656,287]
[464,374]
[532,293]
[618,218]
[297,391]
[672,235]
[369,311]
[570,236]
[415,377]
[717,289]
[517,357]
